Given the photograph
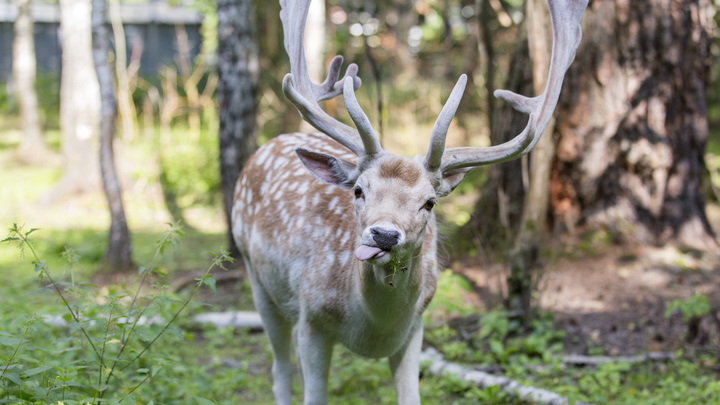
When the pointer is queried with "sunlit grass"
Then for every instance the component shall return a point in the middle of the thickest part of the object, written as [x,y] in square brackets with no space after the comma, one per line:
[81,222]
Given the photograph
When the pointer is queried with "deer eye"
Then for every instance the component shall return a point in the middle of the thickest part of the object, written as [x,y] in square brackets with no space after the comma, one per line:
[429,205]
[358,192]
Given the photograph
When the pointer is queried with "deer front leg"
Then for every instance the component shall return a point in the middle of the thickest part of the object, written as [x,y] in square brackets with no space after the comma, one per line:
[279,331]
[405,367]
[315,352]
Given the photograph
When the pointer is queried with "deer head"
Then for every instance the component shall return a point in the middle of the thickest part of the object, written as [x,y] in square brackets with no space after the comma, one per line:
[394,195]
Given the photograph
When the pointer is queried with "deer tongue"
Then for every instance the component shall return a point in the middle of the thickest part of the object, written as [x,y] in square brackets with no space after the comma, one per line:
[365,252]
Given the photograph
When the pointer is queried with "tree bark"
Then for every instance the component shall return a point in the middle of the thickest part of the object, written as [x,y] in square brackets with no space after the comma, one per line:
[631,130]
[79,102]
[32,147]
[632,126]
[118,255]
[237,90]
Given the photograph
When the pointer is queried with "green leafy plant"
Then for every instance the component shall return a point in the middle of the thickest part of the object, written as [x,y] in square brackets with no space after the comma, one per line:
[105,357]
[693,307]
[448,300]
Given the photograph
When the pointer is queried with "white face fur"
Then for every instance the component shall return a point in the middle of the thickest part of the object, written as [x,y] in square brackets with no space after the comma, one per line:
[394,198]
[393,203]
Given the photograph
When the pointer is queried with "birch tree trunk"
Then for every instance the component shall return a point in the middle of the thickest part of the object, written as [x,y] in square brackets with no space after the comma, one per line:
[118,255]
[79,102]
[32,147]
[236,93]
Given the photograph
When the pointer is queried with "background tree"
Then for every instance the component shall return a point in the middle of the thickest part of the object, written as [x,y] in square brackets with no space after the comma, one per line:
[236,94]
[630,132]
[118,254]
[497,214]
[632,126]
[79,102]
[32,147]
[528,241]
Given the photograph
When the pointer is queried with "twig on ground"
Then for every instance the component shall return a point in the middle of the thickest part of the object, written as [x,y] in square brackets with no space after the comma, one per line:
[579,360]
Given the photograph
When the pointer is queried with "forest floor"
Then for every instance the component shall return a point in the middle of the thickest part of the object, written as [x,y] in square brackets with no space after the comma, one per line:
[612,299]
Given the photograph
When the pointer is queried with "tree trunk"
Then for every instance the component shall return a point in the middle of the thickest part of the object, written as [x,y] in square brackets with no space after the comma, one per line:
[631,130]
[496,216]
[117,257]
[632,126]
[525,253]
[79,102]
[32,147]
[236,93]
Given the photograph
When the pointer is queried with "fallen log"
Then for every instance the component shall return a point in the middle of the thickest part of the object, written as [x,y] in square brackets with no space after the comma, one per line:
[580,360]
[438,366]
[236,319]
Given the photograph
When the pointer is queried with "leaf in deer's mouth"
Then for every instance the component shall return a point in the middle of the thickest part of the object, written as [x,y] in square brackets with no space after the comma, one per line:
[365,252]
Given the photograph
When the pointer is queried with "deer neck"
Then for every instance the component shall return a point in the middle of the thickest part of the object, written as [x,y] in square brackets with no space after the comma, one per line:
[391,290]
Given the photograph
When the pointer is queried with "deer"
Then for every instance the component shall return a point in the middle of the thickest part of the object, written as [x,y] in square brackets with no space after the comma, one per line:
[339,236]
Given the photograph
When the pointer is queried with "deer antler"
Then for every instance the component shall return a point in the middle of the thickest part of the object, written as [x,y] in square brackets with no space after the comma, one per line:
[565,17]
[305,94]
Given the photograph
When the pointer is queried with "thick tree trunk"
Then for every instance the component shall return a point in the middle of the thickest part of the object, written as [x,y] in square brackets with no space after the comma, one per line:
[631,130]
[79,102]
[117,257]
[236,93]
[32,147]
[633,123]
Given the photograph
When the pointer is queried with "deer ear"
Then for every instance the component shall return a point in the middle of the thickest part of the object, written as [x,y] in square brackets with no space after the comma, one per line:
[329,169]
[451,179]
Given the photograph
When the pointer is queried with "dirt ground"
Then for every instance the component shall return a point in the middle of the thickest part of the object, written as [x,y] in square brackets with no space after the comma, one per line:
[615,300]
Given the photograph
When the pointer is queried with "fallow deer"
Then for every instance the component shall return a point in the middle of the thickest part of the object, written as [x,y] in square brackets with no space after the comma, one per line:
[339,236]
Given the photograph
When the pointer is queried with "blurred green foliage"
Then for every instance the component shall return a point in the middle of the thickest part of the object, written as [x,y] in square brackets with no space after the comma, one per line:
[696,306]
[191,169]
[449,300]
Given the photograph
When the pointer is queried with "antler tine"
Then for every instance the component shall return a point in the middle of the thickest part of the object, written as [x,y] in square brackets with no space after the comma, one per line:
[305,94]
[362,122]
[331,87]
[565,17]
[433,158]
[315,116]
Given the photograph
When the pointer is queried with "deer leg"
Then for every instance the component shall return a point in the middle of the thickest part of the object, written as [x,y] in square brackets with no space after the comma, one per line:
[279,331]
[315,350]
[405,367]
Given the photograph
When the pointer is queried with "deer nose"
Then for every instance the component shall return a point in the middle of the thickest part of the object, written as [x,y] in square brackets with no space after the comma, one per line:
[385,238]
